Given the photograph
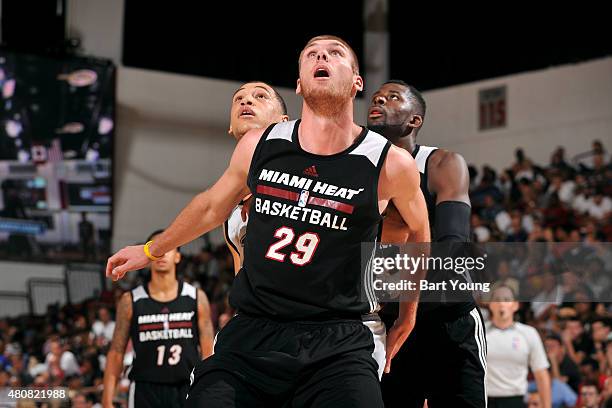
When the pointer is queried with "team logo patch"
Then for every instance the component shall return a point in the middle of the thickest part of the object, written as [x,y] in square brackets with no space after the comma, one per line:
[303,200]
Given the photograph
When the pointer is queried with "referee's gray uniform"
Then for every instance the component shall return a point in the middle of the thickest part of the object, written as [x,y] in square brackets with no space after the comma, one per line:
[511,352]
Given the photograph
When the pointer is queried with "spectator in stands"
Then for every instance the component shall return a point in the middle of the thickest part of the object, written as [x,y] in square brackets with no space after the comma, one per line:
[589,395]
[562,394]
[80,400]
[534,400]
[516,232]
[557,160]
[523,167]
[104,326]
[599,206]
[60,357]
[575,339]
[550,296]
[600,330]
[563,367]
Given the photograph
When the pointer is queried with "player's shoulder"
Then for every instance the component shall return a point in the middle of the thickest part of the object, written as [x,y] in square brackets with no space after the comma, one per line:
[445,159]
[126,296]
[400,159]
[201,294]
[251,137]
[528,331]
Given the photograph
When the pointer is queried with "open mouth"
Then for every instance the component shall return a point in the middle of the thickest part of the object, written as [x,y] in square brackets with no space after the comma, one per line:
[247,113]
[321,73]
[375,113]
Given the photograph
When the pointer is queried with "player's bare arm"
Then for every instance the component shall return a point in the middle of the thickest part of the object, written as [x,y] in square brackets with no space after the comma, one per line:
[205,212]
[205,326]
[400,185]
[114,358]
[449,177]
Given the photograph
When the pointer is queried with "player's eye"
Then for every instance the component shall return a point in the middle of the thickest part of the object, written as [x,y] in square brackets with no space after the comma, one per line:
[336,53]
[261,96]
[237,98]
[311,54]
[394,97]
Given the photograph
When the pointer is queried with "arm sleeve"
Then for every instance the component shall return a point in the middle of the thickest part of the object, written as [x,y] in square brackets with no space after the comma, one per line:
[452,223]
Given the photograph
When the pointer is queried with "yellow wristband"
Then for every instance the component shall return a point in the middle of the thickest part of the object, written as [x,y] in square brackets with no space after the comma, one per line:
[148,253]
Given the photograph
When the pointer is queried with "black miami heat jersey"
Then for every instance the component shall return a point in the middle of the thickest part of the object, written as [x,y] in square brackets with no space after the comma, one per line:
[308,217]
[165,336]
[440,309]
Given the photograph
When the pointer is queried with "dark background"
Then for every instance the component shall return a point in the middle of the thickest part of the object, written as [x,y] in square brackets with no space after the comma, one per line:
[430,47]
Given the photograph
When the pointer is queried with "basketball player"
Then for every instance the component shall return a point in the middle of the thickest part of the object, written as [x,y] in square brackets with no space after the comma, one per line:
[255,105]
[447,345]
[319,186]
[167,320]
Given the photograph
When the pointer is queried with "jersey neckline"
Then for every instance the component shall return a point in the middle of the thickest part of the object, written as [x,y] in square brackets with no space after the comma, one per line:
[179,290]
[295,139]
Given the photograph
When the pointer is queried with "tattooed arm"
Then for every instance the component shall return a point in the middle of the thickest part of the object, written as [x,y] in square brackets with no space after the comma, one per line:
[205,325]
[114,358]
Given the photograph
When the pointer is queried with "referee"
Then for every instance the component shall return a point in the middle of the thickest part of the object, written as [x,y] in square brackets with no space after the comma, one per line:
[513,349]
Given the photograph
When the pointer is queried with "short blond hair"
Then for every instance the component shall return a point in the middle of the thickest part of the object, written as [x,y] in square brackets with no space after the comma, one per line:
[355,63]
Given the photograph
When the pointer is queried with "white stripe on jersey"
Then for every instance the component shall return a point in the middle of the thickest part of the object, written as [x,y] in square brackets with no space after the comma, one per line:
[379,333]
[235,231]
[421,157]
[481,342]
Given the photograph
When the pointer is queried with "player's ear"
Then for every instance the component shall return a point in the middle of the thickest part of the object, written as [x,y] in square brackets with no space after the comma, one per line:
[298,88]
[230,131]
[284,118]
[359,83]
[416,121]
[177,257]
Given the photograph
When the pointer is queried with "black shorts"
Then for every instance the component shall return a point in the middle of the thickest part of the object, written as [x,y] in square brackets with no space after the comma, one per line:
[443,362]
[259,362]
[157,395]
[507,402]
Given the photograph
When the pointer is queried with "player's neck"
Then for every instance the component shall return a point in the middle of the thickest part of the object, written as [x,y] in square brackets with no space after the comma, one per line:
[163,285]
[408,143]
[327,135]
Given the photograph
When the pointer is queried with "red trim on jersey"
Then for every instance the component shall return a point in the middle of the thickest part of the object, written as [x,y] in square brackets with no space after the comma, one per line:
[336,205]
[293,196]
[160,326]
[278,192]
[152,326]
[174,325]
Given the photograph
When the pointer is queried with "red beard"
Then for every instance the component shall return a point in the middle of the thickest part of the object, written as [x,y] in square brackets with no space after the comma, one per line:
[327,101]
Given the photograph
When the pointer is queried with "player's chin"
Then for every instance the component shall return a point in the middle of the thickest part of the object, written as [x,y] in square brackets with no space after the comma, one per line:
[163,268]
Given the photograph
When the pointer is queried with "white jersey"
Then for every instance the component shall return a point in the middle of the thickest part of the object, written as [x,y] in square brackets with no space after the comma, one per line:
[234,229]
[510,354]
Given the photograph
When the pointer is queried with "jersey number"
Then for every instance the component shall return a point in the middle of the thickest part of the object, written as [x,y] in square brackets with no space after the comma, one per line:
[305,245]
[175,354]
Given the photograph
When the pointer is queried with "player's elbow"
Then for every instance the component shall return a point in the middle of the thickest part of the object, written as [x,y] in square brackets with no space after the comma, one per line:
[210,210]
